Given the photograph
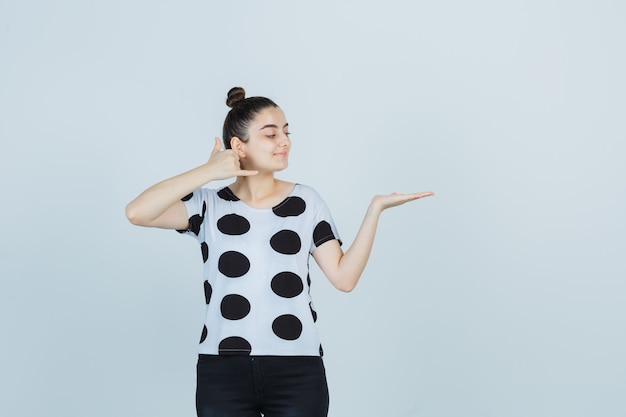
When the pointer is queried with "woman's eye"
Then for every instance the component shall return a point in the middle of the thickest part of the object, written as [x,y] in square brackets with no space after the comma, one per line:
[271,136]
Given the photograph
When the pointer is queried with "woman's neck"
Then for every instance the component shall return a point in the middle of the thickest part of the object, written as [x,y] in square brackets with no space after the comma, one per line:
[261,190]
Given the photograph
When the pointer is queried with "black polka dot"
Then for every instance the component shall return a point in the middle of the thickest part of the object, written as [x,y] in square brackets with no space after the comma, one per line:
[232,224]
[195,222]
[322,233]
[291,206]
[313,313]
[205,251]
[187,197]
[234,307]
[226,194]
[308,280]
[233,264]
[205,332]
[287,284]
[287,327]
[234,346]
[208,291]
[286,242]
[321,351]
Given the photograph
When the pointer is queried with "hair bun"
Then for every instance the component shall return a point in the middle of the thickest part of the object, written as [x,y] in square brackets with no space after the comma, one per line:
[235,95]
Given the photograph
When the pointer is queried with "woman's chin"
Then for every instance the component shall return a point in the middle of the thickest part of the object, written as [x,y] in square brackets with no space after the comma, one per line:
[270,170]
[282,165]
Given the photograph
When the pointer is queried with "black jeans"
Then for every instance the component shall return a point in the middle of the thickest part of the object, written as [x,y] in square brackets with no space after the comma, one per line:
[251,386]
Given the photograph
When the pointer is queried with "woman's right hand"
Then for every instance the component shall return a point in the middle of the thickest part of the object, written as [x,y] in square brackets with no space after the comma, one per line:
[225,163]
[161,205]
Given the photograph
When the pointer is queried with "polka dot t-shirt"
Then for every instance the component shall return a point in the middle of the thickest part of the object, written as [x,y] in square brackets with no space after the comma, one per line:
[256,271]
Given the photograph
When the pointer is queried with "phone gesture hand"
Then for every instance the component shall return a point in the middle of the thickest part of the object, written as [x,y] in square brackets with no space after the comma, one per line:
[225,163]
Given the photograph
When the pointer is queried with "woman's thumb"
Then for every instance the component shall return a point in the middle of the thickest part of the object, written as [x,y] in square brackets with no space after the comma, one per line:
[217,147]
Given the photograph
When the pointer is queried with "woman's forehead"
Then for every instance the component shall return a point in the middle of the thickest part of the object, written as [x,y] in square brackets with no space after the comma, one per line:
[270,117]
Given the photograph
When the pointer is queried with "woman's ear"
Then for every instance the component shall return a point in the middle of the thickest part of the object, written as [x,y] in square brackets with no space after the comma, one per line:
[237,145]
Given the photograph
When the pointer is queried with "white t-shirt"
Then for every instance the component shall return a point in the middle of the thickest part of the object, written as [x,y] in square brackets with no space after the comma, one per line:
[256,271]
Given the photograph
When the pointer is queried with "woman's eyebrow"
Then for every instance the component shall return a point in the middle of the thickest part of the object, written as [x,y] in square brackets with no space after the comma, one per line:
[273,126]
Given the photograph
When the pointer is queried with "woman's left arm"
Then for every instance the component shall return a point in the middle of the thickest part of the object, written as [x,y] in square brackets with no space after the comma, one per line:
[343,270]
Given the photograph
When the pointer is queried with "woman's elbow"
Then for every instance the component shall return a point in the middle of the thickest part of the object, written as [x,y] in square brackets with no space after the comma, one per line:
[133,215]
[344,286]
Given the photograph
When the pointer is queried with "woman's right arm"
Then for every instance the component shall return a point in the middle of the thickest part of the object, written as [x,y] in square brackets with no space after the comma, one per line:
[161,205]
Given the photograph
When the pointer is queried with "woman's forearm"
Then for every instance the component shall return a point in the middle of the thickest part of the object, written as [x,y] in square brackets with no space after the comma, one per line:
[161,197]
[353,262]
[155,201]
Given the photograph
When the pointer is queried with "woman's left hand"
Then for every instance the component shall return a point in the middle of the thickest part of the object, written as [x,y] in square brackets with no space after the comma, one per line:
[382,202]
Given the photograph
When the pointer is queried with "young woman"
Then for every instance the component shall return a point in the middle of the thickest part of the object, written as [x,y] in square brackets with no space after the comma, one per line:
[259,351]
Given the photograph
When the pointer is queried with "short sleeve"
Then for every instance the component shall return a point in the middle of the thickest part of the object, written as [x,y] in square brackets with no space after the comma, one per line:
[324,229]
[196,205]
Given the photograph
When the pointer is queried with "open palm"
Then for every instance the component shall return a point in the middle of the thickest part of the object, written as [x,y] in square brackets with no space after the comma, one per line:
[395,199]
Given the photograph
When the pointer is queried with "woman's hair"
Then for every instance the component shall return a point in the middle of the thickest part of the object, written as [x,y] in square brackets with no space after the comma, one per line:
[242,111]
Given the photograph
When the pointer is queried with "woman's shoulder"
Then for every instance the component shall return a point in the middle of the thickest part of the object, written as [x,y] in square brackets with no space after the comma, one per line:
[304,189]
[307,192]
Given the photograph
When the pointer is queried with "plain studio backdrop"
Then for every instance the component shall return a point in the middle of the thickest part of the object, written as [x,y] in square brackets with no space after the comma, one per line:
[502,296]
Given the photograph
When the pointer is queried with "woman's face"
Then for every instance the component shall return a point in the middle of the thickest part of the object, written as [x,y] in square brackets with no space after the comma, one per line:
[268,146]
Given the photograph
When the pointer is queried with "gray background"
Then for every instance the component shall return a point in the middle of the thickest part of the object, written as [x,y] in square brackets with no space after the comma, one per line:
[503,295]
